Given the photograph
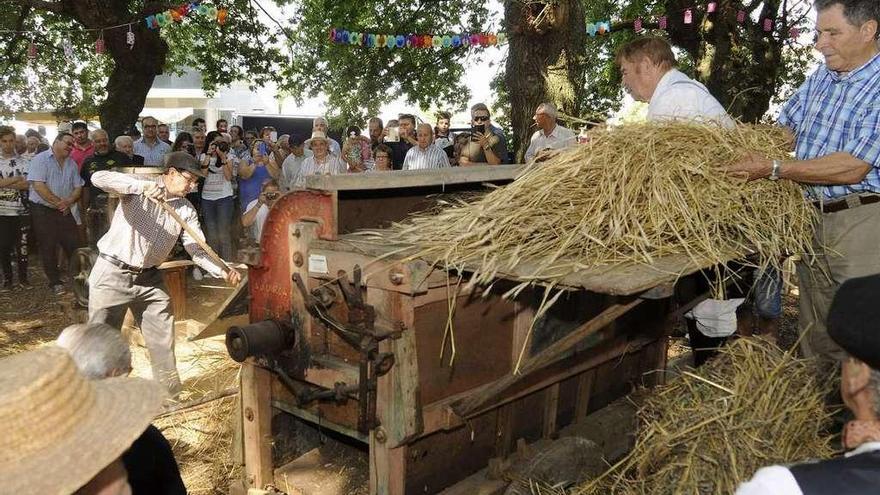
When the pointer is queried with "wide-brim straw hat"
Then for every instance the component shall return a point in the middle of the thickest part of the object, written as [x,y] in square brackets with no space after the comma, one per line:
[317,136]
[58,429]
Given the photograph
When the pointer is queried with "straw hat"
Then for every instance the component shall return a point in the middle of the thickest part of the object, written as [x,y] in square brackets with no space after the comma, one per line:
[317,135]
[60,429]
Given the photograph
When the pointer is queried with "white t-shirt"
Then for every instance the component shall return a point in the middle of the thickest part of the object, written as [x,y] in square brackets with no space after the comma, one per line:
[678,97]
[10,199]
[257,226]
[216,186]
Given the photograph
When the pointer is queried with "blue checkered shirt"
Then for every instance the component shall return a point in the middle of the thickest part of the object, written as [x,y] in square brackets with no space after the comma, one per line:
[832,113]
[154,156]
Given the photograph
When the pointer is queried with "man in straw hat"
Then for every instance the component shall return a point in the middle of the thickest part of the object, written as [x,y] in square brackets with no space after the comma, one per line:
[834,120]
[852,324]
[140,238]
[322,162]
[63,433]
[100,352]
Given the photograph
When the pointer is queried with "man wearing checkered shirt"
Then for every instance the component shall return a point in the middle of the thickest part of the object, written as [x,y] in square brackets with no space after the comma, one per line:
[141,236]
[834,118]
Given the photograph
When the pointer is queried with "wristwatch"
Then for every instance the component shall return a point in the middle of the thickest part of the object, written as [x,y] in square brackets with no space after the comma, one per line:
[774,171]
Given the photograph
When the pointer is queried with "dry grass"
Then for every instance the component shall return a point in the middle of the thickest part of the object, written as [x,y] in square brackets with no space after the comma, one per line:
[708,430]
[634,194]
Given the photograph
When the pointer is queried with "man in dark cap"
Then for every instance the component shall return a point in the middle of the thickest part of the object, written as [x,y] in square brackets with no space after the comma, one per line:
[852,325]
[140,238]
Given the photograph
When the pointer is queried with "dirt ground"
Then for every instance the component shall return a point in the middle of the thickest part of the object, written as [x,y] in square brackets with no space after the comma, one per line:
[202,437]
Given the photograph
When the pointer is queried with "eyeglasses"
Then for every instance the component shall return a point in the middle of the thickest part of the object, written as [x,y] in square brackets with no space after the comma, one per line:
[190,179]
[481,118]
[382,157]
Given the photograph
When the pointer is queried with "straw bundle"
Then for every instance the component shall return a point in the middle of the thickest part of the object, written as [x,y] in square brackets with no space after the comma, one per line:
[709,430]
[634,194]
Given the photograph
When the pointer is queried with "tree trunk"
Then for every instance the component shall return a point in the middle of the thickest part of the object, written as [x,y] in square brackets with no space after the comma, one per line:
[545,61]
[135,66]
[739,63]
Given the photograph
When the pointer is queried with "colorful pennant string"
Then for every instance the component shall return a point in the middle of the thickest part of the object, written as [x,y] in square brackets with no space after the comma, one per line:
[341,36]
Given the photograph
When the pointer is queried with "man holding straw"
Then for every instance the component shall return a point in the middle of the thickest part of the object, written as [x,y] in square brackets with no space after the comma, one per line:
[834,119]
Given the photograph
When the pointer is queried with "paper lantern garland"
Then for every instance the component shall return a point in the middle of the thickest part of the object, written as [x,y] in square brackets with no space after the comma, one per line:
[341,36]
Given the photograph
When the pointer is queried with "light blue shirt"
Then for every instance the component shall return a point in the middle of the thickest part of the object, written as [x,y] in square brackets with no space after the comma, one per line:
[61,180]
[838,113]
[154,156]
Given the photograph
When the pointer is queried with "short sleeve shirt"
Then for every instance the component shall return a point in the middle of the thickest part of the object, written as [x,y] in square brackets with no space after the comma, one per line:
[61,180]
[11,203]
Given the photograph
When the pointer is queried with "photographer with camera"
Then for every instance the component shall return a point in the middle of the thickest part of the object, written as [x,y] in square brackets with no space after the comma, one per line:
[257,210]
[486,145]
[217,204]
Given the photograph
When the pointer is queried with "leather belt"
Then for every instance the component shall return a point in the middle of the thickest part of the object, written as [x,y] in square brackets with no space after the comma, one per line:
[846,203]
[125,266]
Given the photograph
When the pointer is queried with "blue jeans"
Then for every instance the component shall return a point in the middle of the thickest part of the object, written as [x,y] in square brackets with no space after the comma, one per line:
[768,293]
[218,224]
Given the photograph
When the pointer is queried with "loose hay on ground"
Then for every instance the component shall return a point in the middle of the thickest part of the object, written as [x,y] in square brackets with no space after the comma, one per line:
[708,430]
[634,194]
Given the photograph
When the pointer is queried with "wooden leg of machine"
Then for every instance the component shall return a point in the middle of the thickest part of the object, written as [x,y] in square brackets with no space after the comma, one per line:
[387,468]
[256,425]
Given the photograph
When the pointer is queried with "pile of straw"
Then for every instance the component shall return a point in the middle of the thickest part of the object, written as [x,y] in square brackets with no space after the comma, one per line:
[709,430]
[634,194]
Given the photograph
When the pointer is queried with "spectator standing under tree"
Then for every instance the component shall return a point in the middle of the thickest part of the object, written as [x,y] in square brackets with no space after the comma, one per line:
[382,159]
[200,123]
[425,154]
[221,125]
[20,144]
[217,201]
[198,139]
[257,210]
[320,163]
[93,201]
[356,151]
[320,125]
[13,187]
[442,137]
[486,144]
[406,139]
[375,128]
[34,144]
[261,167]
[125,146]
[83,147]
[240,149]
[55,186]
[164,134]
[549,135]
[292,165]
[149,146]
[184,142]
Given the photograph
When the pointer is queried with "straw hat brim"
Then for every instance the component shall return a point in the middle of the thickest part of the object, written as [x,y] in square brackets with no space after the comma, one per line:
[122,410]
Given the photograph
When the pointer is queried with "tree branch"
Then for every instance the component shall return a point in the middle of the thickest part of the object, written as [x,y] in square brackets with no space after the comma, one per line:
[56,7]
[11,58]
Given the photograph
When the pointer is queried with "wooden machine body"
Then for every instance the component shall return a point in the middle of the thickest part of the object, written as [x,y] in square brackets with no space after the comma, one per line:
[441,416]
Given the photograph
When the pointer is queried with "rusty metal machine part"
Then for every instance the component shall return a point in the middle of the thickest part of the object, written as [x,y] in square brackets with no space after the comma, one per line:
[263,338]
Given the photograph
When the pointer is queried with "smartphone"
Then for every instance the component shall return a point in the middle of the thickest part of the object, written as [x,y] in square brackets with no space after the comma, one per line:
[393,135]
[480,128]
[273,135]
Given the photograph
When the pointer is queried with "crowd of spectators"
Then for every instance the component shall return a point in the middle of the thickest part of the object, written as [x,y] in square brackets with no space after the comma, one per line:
[46,187]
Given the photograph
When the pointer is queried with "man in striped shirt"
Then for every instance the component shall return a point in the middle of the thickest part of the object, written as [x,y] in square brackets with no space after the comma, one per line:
[834,118]
[426,155]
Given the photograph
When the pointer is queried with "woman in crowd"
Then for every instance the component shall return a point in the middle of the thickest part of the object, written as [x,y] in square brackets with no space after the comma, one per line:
[262,166]
[320,163]
[356,151]
[184,142]
[257,210]
[217,203]
[382,159]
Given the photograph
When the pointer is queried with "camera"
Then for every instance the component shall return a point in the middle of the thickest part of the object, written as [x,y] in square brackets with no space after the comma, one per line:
[271,196]
[223,146]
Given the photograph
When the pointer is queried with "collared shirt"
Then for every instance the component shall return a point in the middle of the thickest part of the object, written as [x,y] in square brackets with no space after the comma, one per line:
[142,233]
[423,159]
[559,138]
[331,165]
[778,480]
[291,167]
[678,97]
[11,199]
[832,113]
[79,155]
[61,180]
[154,155]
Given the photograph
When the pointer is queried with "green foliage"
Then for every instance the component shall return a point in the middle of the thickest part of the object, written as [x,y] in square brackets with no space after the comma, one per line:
[358,80]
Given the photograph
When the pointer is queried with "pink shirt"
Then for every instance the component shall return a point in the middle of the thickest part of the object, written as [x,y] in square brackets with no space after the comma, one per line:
[79,155]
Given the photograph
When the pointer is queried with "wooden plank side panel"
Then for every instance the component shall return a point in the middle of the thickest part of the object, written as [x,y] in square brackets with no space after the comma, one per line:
[482,329]
[256,425]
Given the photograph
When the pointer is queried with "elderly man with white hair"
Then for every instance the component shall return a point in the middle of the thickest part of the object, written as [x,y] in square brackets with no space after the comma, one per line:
[425,155]
[320,125]
[99,351]
[125,145]
[549,135]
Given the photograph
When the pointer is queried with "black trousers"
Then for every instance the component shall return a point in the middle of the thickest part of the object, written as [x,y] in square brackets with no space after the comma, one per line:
[13,242]
[54,229]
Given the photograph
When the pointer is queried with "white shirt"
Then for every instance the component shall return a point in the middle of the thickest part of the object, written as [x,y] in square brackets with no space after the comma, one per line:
[679,97]
[257,226]
[559,138]
[216,186]
[291,167]
[331,165]
[778,480]
[422,159]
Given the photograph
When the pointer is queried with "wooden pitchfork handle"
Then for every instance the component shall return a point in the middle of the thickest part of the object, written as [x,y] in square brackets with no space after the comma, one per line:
[192,233]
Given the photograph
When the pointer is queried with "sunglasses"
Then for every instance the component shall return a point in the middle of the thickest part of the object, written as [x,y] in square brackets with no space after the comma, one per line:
[481,118]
